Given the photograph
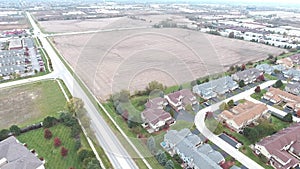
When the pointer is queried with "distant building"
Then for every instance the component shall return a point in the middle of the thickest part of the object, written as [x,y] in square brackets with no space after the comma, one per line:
[216,87]
[286,62]
[242,115]
[179,99]
[265,68]
[14,155]
[192,150]
[292,74]
[248,75]
[296,59]
[156,119]
[15,43]
[282,149]
[275,95]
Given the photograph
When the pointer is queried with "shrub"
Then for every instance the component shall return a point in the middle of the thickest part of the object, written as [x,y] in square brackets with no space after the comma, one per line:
[47,134]
[57,142]
[4,134]
[257,89]
[84,153]
[49,122]
[63,151]
[15,130]
[77,144]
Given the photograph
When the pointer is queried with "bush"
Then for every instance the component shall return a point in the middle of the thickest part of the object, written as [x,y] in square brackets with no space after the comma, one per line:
[57,142]
[4,134]
[288,118]
[77,144]
[84,153]
[64,152]
[75,131]
[67,119]
[49,122]
[15,130]
[47,134]
[169,164]
[278,84]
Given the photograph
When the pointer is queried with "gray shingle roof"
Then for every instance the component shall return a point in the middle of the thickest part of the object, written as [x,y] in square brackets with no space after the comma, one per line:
[17,155]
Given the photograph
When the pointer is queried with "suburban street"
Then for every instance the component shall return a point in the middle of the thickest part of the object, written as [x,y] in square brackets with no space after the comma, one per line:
[200,117]
[109,142]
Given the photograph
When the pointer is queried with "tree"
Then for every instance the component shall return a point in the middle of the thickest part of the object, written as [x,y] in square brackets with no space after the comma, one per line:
[189,107]
[57,142]
[75,131]
[278,84]
[177,158]
[154,85]
[224,106]
[241,83]
[261,77]
[93,164]
[298,113]
[230,103]
[162,158]
[84,153]
[257,89]
[288,118]
[243,67]
[132,122]
[151,145]
[169,164]
[63,151]
[4,134]
[67,119]
[74,105]
[49,122]
[47,134]
[77,144]
[15,130]
[231,35]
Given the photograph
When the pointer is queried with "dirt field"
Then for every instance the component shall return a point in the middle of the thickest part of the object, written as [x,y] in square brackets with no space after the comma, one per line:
[56,26]
[29,104]
[22,24]
[111,61]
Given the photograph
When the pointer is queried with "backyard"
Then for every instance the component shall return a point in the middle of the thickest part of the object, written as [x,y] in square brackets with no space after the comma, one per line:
[32,102]
[45,148]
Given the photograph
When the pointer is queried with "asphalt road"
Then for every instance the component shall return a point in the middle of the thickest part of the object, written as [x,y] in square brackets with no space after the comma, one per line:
[108,141]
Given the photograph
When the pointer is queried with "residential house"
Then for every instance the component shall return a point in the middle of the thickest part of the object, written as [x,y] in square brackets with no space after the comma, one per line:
[292,74]
[156,103]
[293,88]
[296,59]
[179,99]
[248,75]
[286,62]
[282,149]
[275,96]
[279,67]
[14,155]
[215,87]
[155,119]
[242,115]
[191,150]
[265,68]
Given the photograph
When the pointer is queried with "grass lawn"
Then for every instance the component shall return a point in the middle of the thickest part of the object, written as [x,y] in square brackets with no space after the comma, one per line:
[258,96]
[33,102]
[270,77]
[35,140]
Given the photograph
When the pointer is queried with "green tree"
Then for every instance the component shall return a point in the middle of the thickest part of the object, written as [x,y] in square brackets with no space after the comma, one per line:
[77,144]
[288,118]
[230,103]
[93,164]
[241,83]
[4,134]
[162,159]
[84,153]
[224,106]
[151,145]
[189,108]
[169,164]
[74,105]
[15,130]
[278,84]
[154,85]
[231,35]
[49,122]
[132,122]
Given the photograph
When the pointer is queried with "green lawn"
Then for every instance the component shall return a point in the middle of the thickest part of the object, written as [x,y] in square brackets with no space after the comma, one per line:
[35,140]
[33,102]
[270,77]
[258,96]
